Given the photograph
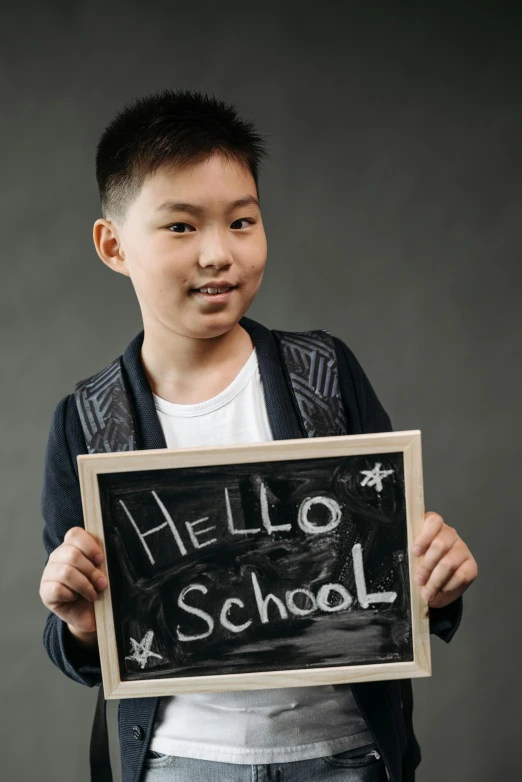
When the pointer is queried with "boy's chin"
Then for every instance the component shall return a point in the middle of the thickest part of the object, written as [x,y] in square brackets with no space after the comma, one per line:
[207,327]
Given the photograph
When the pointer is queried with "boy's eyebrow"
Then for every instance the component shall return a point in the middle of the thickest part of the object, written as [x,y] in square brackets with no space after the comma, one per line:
[172,206]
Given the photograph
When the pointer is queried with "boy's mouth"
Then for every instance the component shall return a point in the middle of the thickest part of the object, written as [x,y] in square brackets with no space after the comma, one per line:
[213,291]
[216,293]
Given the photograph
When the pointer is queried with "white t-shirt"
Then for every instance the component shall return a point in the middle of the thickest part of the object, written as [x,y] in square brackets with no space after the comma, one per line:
[248,726]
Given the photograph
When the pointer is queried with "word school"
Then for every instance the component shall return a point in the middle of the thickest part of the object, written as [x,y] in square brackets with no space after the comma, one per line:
[320,601]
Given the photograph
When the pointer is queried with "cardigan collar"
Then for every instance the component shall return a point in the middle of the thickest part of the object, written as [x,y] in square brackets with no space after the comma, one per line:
[282,417]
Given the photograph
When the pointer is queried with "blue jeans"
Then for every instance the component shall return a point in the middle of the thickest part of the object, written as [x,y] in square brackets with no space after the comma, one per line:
[363,764]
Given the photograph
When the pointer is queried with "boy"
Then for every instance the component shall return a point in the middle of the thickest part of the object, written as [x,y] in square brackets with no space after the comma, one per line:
[201,373]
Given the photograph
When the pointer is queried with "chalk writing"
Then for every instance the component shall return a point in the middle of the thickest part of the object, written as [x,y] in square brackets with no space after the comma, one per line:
[374,477]
[321,601]
[328,503]
[141,651]
[250,567]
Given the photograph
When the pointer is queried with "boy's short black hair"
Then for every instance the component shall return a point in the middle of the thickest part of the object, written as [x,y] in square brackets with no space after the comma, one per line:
[180,127]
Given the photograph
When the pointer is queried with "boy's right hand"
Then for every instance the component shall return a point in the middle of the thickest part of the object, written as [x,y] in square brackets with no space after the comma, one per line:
[71,581]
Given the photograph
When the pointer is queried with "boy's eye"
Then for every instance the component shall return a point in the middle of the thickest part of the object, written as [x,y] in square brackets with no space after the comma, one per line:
[177,224]
[242,219]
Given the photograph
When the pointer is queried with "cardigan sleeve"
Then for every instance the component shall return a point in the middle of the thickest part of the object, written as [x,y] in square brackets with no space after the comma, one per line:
[62,509]
[361,400]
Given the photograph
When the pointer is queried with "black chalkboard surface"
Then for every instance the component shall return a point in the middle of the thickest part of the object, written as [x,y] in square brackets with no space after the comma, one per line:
[224,570]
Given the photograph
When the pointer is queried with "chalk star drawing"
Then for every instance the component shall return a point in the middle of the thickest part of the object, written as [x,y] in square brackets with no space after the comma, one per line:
[141,651]
[374,477]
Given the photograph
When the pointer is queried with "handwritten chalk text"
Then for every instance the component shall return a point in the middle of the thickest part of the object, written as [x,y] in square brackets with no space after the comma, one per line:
[323,600]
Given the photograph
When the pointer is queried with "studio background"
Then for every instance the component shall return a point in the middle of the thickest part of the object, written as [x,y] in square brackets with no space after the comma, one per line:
[392,206]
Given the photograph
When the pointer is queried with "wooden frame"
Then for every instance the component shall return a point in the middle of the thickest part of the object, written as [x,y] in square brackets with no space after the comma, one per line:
[407,442]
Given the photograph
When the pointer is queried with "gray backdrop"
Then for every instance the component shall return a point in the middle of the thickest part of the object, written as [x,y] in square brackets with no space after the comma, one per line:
[392,205]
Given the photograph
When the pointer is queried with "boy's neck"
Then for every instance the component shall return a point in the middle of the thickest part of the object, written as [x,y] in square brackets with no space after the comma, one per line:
[186,371]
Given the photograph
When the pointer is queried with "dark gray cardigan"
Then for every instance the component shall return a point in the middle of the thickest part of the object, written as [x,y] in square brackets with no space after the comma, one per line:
[387,713]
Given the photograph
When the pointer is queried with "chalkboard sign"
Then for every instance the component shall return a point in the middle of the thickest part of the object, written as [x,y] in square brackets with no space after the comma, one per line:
[259,565]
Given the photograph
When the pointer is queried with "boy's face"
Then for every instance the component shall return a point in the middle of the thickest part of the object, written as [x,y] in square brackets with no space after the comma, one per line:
[170,252]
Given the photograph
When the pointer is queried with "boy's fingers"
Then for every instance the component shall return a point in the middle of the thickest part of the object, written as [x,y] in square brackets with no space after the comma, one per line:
[443,598]
[444,571]
[432,525]
[438,548]
[57,574]
[79,537]
[71,555]
[63,594]
[462,577]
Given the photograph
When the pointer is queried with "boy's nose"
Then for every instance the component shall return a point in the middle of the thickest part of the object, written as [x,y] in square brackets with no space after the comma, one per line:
[217,260]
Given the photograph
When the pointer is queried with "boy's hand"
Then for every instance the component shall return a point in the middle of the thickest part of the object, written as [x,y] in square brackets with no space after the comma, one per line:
[70,582]
[448,567]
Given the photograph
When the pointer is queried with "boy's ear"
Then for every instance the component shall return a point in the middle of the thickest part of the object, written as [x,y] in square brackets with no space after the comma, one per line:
[108,247]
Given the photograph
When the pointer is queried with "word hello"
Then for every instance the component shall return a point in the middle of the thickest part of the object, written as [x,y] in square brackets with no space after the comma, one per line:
[197,535]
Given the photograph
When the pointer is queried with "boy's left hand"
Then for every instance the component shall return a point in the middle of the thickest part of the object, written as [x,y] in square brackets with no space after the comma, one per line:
[447,567]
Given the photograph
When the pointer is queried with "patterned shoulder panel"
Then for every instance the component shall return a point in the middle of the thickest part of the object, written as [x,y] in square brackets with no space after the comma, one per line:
[105,411]
[310,364]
